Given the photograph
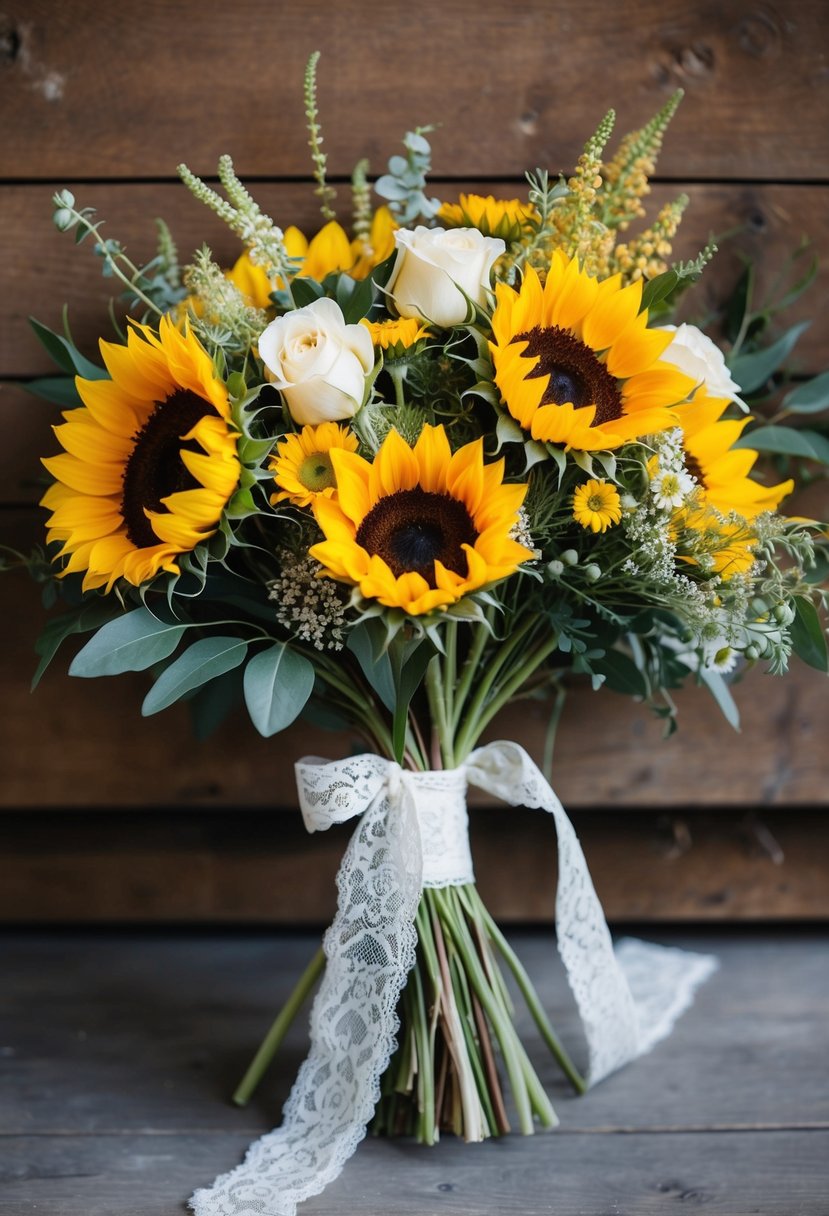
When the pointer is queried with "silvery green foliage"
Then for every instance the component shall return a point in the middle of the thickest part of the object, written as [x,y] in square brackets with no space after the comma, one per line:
[404,184]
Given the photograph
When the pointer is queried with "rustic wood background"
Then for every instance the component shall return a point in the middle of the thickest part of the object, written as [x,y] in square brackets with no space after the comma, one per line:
[108,817]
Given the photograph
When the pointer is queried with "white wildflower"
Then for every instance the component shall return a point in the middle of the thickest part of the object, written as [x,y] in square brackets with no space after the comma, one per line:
[312,609]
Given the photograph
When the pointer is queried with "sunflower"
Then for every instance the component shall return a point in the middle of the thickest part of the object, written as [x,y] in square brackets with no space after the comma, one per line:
[302,465]
[149,461]
[503,217]
[396,336]
[596,505]
[419,527]
[722,471]
[577,365]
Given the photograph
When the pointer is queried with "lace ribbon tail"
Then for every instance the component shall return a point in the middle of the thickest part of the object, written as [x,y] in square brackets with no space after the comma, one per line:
[618,1028]
[370,949]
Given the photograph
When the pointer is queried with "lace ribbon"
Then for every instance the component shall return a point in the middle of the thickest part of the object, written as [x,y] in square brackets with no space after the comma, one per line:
[412,832]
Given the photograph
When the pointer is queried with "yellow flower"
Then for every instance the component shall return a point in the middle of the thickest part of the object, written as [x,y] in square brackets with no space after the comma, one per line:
[380,244]
[149,462]
[577,365]
[503,217]
[704,538]
[597,505]
[721,470]
[252,282]
[328,251]
[397,335]
[419,527]
[302,463]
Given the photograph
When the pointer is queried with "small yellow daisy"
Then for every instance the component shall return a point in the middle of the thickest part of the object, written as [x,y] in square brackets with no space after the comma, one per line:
[302,465]
[597,505]
[396,336]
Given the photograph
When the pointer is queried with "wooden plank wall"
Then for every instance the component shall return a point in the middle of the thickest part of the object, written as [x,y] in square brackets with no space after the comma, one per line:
[101,811]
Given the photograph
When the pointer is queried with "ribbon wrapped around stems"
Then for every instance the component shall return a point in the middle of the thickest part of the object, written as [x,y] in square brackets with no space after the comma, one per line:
[413,833]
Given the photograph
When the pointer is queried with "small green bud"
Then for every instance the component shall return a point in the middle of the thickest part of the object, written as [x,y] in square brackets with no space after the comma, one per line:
[752,652]
[63,219]
[783,613]
[570,557]
[555,568]
[592,572]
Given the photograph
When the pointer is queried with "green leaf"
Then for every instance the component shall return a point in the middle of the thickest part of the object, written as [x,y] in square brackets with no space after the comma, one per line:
[132,642]
[359,302]
[752,371]
[305,292]
[90,616]
[808,638]
[278,682]
[411,677]
[621,673]
[658,289]
[809,398]
[719,689]
[60,390]
[787,441]
[739,303]
[203,661]
[65,354]
[366,643]
[212,703]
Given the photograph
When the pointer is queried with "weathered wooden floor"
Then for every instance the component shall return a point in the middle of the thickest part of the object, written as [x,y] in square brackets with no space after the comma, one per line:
[118,1052]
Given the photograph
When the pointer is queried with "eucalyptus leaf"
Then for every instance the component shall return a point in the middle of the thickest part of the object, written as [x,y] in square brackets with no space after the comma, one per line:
[808,398]
[787,441]
[60,390]
[132,642]
[90,616]
[753,370]
[214,702]
[204,660]
[65,354]
[277,684]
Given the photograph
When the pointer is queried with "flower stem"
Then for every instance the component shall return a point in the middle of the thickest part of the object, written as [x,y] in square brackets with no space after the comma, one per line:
[504,1029]
[270,1044]
[437,709]
[531,997]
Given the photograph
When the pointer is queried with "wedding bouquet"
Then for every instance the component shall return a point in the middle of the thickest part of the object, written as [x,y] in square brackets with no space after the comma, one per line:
[396,480]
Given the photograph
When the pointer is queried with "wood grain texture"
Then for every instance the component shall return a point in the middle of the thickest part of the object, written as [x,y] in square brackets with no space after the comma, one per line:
[766,223]
[243,867]
[121,1050]
[148,84]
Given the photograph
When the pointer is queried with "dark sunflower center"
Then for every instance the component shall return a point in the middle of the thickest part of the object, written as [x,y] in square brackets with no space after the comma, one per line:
[412,529]
[155,468]
[576,375]
[694,467]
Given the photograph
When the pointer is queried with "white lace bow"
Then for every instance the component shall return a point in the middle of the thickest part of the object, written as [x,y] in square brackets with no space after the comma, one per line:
[413,833]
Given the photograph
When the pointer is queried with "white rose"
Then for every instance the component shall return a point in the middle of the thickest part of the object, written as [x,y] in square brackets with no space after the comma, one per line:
[697,356]
[317,362]
[433,263]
